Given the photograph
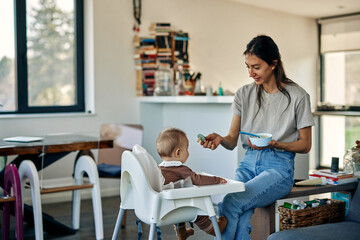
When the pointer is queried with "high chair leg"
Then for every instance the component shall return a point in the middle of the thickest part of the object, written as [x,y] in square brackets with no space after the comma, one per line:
[216,227]
[118,223]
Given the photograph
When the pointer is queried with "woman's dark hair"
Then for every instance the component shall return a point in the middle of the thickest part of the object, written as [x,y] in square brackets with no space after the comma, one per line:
[266,49]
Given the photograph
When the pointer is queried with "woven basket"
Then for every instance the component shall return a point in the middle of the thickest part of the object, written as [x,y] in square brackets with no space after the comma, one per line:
[329,213]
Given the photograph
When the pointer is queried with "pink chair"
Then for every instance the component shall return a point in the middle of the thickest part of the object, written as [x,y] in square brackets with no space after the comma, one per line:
[12,180]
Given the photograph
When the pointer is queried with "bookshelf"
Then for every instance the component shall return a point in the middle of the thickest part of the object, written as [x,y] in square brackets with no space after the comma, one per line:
[163,48]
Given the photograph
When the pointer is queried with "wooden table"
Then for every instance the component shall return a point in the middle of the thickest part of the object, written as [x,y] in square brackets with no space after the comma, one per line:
[55,147]
[263,220]
[46,152]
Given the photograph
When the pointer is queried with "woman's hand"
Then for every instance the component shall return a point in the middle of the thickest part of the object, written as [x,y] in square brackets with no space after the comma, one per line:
[272,144]
[212,141]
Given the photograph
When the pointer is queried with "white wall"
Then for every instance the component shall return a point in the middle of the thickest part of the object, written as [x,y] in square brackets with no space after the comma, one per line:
[219,31]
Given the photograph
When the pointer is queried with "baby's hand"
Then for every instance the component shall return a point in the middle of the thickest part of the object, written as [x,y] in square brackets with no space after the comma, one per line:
[222,180]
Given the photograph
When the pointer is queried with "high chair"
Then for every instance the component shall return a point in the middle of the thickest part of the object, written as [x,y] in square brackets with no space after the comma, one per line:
[141,190]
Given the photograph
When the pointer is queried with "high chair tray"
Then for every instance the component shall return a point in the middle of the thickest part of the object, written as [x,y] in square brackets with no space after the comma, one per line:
[199,191]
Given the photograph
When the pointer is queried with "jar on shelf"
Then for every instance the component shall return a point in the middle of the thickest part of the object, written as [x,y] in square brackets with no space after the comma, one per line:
[348,162]
[356,157]
[352,161]
[179,84]
[164,85]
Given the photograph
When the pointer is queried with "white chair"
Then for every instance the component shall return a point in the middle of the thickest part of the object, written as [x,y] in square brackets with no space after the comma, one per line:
[125,137]
[84,165]
[141,190]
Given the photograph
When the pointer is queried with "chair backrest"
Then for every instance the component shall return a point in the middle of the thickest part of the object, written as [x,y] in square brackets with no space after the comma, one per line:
[135,188]
[152,171]
[125,136]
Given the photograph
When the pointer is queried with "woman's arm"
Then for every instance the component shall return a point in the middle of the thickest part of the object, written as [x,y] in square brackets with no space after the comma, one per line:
[229,141]
[302,145]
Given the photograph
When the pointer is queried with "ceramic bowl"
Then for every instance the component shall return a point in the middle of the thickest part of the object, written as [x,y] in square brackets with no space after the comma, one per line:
[261,142]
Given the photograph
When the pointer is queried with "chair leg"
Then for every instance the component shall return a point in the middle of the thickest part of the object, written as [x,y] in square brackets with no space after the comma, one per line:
[118,223]
[216,227]
[6,220]
[12,180]
[76,201]
[28,170]
[86,164]
[152,231]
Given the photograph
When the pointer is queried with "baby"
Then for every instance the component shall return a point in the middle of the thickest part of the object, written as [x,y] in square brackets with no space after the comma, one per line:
[172,146]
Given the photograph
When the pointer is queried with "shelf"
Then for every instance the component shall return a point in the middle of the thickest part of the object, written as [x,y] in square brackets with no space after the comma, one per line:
[187,99]
[337,113]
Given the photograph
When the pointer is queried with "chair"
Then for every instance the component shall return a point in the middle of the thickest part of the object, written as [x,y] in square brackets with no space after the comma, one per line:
[125,136]
[12,181]
[141,190]
[84,165]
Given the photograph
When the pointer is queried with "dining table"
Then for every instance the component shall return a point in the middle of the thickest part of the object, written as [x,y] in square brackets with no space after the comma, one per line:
[44,151]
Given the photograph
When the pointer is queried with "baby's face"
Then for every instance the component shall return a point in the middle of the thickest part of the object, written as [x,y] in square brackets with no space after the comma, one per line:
[184,153]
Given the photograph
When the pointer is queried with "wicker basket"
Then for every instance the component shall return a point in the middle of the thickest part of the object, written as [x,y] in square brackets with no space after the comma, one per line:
[329,213]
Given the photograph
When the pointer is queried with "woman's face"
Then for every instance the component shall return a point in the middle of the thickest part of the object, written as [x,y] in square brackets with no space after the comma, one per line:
[259,70]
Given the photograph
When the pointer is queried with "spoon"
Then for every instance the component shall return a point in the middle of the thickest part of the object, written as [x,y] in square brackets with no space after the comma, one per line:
[251,134]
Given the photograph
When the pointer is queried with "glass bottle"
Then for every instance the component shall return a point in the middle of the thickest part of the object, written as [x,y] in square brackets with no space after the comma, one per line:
[348,162]
[179,84]
[164,80]
[356,161]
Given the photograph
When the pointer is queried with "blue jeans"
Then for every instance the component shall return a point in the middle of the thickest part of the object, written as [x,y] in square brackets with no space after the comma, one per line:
[268,176]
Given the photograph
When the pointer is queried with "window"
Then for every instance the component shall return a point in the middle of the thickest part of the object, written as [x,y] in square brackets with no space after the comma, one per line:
[340,86]
[41,56]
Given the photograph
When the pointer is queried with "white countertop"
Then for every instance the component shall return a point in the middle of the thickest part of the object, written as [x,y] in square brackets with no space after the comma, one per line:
[187,99]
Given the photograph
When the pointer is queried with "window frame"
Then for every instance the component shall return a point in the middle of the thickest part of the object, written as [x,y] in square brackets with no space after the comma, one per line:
[21,71]
[355,112]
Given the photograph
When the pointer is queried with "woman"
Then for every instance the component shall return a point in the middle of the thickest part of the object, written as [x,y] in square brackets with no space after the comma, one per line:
[272,104]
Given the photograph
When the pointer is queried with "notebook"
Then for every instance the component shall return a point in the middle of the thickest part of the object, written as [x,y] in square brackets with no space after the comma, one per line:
[23,139]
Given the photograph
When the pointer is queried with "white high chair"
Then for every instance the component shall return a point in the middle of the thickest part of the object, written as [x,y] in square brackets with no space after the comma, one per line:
[141,190]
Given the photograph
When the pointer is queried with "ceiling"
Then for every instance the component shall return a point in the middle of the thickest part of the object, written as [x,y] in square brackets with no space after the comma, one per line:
[308,8]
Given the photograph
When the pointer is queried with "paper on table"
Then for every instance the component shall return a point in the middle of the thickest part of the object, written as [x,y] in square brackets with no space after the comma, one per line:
[23,139]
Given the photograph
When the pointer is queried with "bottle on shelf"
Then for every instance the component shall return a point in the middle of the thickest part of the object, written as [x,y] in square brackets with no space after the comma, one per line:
[221,92]
[164,85]
[179,84]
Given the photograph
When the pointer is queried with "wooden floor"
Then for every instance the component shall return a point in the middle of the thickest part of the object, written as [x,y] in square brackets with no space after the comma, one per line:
[62,212]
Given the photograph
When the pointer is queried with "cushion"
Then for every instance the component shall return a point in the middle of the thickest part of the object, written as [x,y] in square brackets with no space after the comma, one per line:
[109,170]
[331,231]
[354,210]
[150,166]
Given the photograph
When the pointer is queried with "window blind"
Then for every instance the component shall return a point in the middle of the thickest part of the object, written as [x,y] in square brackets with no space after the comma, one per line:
[340,34]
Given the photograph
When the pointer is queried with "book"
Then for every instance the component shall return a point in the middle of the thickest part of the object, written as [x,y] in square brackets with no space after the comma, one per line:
[328,173]
[335,181]
[23,139]
[342,196]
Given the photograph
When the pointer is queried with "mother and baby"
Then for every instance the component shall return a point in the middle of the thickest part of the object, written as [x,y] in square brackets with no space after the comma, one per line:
[273,104]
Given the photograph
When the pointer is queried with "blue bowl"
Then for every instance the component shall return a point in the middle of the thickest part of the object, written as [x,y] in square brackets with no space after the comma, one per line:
[263,141]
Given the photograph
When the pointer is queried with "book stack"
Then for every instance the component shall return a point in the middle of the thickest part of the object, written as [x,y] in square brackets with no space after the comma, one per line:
[162,33]
[145,65]
[160,29]
[164,47]
[332,177]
